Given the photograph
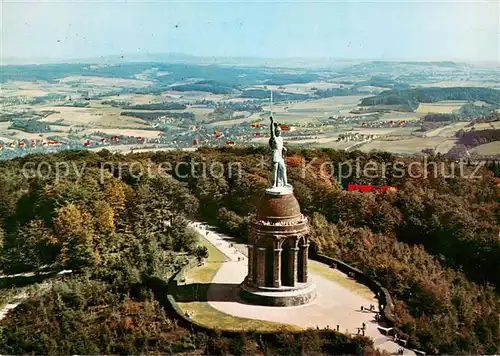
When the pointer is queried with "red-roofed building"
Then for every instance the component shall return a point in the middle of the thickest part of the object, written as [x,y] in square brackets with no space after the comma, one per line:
[369,188]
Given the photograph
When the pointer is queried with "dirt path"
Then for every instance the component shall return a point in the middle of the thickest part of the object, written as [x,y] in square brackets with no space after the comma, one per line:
[18,299]
[22,296]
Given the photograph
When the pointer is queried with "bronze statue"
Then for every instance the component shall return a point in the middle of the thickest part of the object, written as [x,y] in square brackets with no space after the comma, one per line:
[276,144]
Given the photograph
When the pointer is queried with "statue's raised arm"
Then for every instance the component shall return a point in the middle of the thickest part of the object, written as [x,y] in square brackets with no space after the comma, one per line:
[272,127]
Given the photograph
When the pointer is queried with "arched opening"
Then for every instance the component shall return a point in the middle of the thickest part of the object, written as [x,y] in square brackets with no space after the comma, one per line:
[289,262]
[302,261]
[300,266]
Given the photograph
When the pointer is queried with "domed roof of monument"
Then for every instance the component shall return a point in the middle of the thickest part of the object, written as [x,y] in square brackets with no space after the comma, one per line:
[277,207]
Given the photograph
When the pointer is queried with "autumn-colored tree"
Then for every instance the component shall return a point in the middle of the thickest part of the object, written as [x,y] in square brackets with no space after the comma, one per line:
[433,243]
[104,216]
[75,229]
[2,236]
[324,234]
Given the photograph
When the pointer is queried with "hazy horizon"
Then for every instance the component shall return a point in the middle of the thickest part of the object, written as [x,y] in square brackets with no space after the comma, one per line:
[375,30]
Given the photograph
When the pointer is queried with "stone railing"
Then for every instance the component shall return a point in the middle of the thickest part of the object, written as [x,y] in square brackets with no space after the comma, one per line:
[383,296]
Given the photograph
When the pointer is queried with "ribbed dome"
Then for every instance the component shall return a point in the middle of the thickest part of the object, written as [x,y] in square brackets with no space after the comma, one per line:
[274,207]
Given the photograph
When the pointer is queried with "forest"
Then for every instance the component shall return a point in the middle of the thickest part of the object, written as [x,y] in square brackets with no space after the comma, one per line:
[209,86]
[277,95]
[336,92]
[284,79]
[30,125]
[411,98]
[475,138]
[440,117]
[434,244]
[215,77]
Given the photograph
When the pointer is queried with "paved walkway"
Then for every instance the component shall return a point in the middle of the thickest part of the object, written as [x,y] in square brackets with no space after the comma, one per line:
[334,305]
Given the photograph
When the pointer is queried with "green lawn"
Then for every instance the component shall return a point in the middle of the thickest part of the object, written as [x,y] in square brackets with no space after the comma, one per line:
[207,316]
[214,254]
[340,278]
[207,271]
[210,317]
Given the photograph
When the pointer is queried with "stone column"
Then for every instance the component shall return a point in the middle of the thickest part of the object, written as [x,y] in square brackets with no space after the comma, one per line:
[277,268]
[251,259]
[261,267]
[304,250]
[292,265]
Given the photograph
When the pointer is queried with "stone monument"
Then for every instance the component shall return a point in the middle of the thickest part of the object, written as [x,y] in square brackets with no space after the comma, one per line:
[278,242]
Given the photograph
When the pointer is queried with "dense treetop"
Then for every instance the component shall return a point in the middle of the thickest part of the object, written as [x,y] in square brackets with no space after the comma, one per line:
[434,243]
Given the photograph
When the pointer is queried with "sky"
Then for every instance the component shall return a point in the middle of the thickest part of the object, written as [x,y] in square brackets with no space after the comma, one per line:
[384,30]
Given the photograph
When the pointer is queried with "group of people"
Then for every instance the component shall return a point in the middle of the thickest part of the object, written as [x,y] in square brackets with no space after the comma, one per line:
[362,329]
[372,308]
[328,327]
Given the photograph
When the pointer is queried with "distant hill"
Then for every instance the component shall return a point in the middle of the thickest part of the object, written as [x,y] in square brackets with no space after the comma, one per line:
[392,66]
[410,99]
[125,58]
[283,79]
[206,77]
[206,86]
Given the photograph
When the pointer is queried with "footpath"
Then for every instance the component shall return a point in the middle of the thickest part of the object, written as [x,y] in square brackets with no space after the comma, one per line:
[21,297]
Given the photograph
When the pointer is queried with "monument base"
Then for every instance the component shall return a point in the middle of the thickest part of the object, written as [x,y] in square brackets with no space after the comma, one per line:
[302,293]
[282,190]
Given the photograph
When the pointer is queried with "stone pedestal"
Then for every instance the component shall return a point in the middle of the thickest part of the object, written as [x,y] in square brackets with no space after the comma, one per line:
[277,253]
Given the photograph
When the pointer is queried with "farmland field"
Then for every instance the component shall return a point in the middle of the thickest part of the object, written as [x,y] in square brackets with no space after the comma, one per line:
[492,148]
[396,116]
[135,99]
[200,113]
[320,141]
[234,121]
[31,89]
[404,146]
[93,117]
[445,146]
[125,132]
[77,99]
[333,144]
[487,125]
[301,88]
[448,130]
[311,110]
[462,83]
[105,82]
[444,107]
